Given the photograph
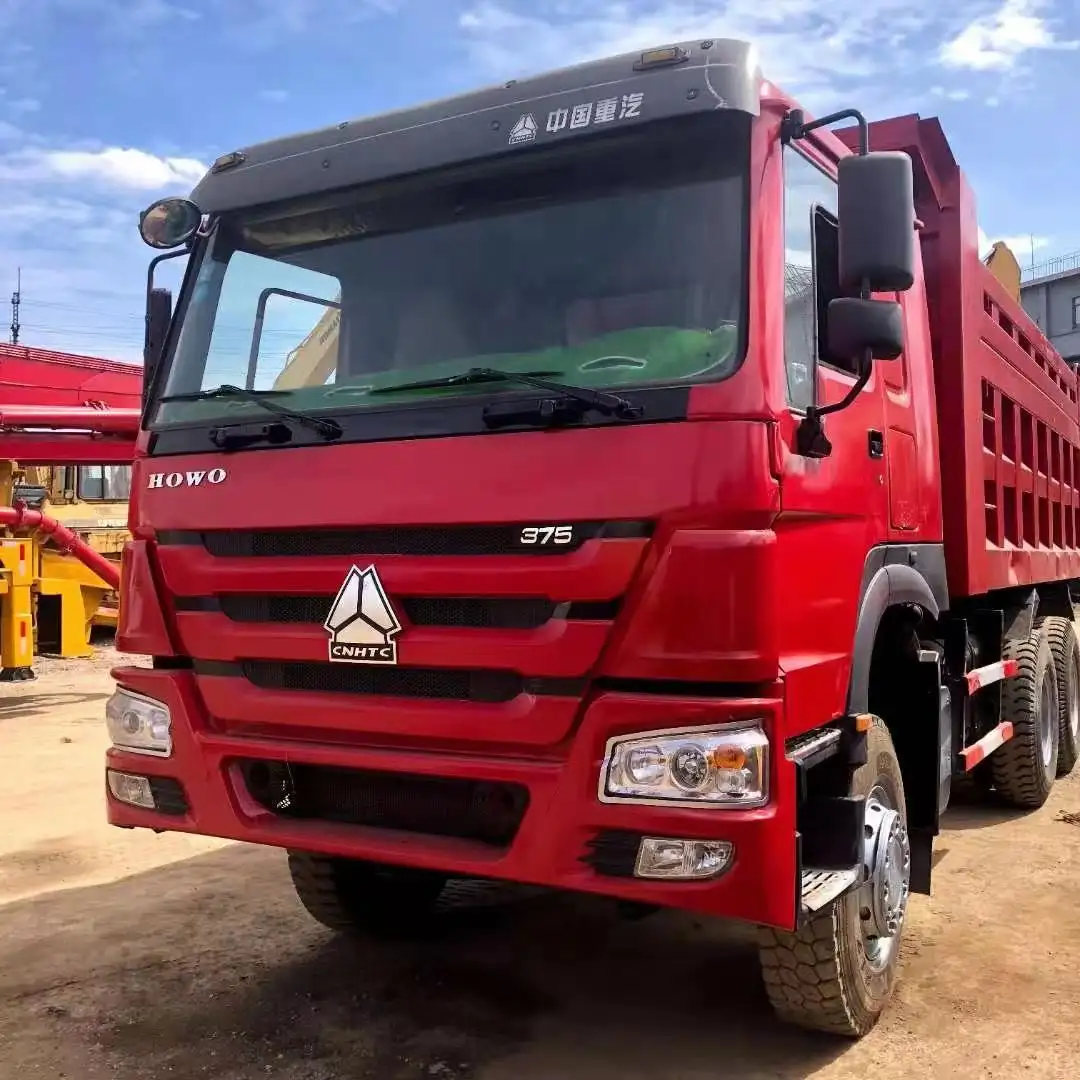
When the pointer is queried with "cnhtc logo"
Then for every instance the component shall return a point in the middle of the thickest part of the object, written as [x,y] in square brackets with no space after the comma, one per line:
[524,131]
[361,623]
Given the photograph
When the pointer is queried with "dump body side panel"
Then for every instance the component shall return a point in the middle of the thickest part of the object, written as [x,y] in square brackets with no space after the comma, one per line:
[1006,401]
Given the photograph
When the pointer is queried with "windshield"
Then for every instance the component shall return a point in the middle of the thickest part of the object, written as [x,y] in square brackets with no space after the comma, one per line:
[620,263]
[104,483]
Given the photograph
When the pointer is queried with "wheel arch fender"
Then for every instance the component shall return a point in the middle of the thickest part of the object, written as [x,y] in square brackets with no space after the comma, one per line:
[890,586]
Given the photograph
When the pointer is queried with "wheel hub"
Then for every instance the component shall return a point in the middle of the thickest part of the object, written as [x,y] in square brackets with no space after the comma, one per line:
[887,863]
[1048,719]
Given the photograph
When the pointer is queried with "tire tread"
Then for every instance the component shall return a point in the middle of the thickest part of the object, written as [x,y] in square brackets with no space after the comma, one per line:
[1061,633]
[806,979]
[1016,766]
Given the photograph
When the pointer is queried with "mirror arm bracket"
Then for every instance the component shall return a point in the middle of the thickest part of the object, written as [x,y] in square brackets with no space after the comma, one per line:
[810,438]
[795,126]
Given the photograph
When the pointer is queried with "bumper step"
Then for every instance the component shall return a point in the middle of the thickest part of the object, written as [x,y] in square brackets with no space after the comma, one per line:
[822,887]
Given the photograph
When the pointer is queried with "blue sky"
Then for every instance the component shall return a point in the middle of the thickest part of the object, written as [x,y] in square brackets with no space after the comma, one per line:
[105,104]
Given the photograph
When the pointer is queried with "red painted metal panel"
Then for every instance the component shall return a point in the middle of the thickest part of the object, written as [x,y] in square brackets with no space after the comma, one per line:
[44,377]
[1007,409]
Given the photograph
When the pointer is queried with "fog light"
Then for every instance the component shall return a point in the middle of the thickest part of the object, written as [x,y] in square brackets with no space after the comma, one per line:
[130,789]
[682,860]
[139,725]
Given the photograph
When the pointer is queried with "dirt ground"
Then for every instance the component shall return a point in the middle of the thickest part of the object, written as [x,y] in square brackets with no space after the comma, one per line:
[133,956]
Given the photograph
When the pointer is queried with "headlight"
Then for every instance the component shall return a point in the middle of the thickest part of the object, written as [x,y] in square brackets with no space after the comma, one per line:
[138,724]
[725,766]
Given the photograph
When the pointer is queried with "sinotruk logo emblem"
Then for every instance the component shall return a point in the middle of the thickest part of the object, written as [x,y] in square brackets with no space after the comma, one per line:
[361,623]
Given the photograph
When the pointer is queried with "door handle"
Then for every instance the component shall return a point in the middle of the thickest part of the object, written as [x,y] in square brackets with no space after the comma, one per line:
[876,444]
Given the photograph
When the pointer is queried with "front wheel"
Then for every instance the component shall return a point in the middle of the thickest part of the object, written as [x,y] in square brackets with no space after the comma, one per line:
[361,898]
[836,974]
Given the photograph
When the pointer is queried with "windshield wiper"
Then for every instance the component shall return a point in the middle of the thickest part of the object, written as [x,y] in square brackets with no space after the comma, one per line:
[327,428]
[597,400]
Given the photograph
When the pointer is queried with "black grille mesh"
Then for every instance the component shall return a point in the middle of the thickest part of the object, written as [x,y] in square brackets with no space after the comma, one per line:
[504,614]
[489,813]
[454,683]
[416,540]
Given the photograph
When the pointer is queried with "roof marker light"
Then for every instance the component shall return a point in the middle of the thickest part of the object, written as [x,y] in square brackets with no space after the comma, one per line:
[668,55]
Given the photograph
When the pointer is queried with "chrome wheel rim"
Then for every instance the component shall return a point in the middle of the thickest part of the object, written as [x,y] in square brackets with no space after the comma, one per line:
[887,879]
[1048,718]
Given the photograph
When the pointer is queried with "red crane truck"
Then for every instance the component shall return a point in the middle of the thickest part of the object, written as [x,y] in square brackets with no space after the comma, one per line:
[672,525]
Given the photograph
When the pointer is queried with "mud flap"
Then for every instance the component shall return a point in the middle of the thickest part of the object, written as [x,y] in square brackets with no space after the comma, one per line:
[928,773]
[830,823]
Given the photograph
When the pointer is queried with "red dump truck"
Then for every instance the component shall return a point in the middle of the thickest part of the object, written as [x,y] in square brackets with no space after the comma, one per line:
[685,510]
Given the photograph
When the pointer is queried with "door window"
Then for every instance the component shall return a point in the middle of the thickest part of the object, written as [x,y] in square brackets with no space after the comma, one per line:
[811,273]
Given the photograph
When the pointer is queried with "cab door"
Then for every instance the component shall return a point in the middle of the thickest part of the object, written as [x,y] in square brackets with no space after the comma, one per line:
[834,508]
[846,491]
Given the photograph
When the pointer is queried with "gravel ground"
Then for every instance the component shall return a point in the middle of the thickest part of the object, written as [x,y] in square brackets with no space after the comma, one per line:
[133,956]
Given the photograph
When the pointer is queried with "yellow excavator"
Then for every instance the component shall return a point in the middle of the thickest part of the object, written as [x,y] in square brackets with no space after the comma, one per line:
[91,501]
[1002,263]
[313,360]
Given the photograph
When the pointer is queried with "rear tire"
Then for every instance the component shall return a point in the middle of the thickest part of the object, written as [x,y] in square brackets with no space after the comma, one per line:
[365,899]
[831,975]
[1065,648]
[1025,767]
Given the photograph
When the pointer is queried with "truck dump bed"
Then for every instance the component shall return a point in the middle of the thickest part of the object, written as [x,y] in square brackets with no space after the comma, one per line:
[1009,426]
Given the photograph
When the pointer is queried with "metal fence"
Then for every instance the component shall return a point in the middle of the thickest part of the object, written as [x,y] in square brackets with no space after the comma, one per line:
[1060,265]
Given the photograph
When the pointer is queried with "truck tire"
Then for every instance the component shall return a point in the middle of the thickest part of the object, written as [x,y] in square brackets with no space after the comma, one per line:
[836,974]
[364,899]
[1025,767]
[1065,648]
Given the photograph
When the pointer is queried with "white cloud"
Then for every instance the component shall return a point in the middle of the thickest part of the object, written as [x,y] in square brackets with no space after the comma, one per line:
[955,94]
[1023,247]
[115,166]
[275,96]
[994,42]
[70,225]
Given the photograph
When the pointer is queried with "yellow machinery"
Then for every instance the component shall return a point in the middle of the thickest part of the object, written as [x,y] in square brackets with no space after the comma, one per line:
[59,559]
[1001,262]
[315,358]
[91,501]
[68,426]
[16,606]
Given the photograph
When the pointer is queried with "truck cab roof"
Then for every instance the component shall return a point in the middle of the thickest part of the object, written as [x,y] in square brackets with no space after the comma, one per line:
[612,94]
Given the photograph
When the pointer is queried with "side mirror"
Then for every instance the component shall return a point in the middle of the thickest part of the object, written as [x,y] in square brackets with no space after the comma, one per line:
[855,326]
[876,211]
[158,317]
[168,223]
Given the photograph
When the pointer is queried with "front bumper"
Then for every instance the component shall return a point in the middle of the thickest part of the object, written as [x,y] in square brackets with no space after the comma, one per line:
[556,841]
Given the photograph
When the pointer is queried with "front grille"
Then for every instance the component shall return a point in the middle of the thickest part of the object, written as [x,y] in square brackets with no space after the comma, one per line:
[462,684]
[456,683]
[416,540]
[495,613]
[489,813]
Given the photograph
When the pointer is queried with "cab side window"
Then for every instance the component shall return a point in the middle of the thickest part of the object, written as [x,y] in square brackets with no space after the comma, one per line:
[811,273]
